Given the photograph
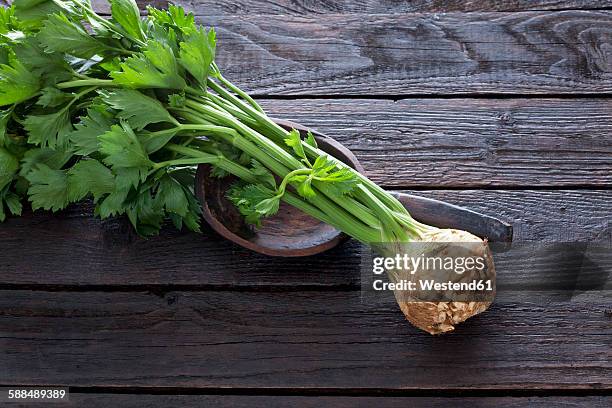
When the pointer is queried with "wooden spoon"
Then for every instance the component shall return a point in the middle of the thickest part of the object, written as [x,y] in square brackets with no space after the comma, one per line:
[292,233]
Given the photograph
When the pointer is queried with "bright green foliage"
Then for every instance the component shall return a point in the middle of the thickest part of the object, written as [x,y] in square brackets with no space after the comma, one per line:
[304,186]
[122,149]
[145,213]
[17,83]
[53,158]
[177,100]
[9,201]
[9,165]
[254,201]
[10,27]
[310,139]
[52,97]
[156,67]
[59,34]
[49,130]
[32,13]
[121,111]
[45,68]
[175,17]
[4,119]
[294,141]
[324,169]
[89,177]
[126,13]
[85,136]
[197,52]
[172,196]
[136,108]
[48,188]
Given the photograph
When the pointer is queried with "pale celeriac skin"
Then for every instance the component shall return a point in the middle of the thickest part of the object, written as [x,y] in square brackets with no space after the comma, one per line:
[442,317]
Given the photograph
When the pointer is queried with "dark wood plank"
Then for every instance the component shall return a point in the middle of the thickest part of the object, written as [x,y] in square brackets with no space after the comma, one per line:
[250,401]
[74,248]
[296,340]
[467,142]
[454,53]
[306,7]
[535,52]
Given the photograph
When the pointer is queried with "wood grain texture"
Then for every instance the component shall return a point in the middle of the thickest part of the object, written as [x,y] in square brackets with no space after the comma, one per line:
[295,340]
[409,53]
[307,7]
[454,53]
[73,248]
[467,142]
[249,401]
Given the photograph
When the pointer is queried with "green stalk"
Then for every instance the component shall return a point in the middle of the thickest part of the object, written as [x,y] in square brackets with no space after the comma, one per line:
[344,203]
[289,161]
[236,90]
[278,134]
[341,221]
[85,82]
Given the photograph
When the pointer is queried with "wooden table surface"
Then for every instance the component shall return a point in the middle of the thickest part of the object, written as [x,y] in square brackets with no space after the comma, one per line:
[500,106]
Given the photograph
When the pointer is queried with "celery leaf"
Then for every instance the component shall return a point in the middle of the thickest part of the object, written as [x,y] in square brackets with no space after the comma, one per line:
[136,108]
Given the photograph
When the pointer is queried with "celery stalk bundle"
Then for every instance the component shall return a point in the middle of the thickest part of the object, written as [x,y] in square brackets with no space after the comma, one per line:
[122,109]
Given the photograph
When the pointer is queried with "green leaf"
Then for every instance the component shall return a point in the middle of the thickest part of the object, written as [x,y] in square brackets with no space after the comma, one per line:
[294,141]
[111,65]
[53,97]
[324,164]
[5,116]
[89,177]
[55,159]
[33,13]
[247,197]
[310,139]
[127,178]
[194,215]
[126,13]
[10,26]
[174,16]
[85,136]
[156,67]
[123,150]
[112,205]
[269,206]
[17,83]
[61,35]
[51,67]
[177,100]
[152,142]
[137,109]
[173,196]
[304,188]
[162,34]
[9,165]
[11,201]
[145,213]
[48,188]
[197,52]
[343,180]
[49,130]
